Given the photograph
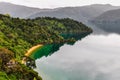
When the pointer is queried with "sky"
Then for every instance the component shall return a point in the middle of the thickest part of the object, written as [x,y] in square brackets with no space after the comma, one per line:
[60,3]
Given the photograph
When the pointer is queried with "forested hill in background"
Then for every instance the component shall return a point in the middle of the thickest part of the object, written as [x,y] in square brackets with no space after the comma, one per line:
[108,21]
[18,10]
[82,14]
[19,35]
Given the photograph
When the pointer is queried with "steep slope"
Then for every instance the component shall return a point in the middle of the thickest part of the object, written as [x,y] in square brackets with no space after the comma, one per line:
[17,36]
[77,13]
[21,34]
[108,21]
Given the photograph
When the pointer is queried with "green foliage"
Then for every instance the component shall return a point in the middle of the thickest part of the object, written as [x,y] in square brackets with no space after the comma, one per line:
[13,70]
[3,76]
[19,35]
[5,56]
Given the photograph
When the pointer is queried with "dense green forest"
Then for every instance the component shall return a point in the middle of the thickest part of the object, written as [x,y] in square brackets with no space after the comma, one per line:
[19,35]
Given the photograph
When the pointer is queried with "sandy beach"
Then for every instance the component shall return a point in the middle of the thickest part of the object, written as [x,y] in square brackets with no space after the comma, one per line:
[32,49]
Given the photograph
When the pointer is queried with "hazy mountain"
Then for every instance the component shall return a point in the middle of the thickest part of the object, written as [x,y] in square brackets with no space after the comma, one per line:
[83,13]
[108,21]
[111,15]
[77,13]
[17,10]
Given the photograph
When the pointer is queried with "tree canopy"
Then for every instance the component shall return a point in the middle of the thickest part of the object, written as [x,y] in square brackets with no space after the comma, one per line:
[18,35]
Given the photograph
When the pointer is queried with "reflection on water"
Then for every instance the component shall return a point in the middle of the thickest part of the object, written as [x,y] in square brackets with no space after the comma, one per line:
[77,36]
[51,48]
[45,50]
[96,57]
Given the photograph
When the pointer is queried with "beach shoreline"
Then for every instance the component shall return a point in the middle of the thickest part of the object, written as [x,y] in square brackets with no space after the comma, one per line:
[29,52]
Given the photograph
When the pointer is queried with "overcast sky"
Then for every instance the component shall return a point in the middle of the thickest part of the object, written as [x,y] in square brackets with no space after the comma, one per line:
[60,3]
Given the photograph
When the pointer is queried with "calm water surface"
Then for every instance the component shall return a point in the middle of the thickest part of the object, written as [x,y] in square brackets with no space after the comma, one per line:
[96,57]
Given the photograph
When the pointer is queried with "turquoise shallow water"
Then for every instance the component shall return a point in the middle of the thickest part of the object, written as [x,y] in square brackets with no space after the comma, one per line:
[49,49]
[46,50]
[96,57]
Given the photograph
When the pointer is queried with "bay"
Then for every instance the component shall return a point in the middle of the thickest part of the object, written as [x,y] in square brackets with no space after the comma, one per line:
[96,57]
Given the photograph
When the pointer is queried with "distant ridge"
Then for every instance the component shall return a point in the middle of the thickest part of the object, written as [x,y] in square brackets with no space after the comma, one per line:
[17,10]
[110,15]
[108,21]
[82,13]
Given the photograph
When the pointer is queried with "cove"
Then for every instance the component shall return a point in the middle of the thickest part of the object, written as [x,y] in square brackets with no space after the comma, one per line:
[49,49]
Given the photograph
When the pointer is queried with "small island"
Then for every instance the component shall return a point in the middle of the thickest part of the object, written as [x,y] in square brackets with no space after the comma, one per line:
[19,37]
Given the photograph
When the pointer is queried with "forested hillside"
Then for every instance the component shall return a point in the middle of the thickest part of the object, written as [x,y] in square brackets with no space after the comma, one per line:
[19,35]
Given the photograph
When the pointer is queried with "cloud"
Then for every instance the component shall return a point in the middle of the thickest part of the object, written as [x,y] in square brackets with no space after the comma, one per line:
[93,58]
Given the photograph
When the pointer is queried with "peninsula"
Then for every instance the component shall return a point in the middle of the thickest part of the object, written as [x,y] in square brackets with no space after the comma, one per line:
[19,37]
